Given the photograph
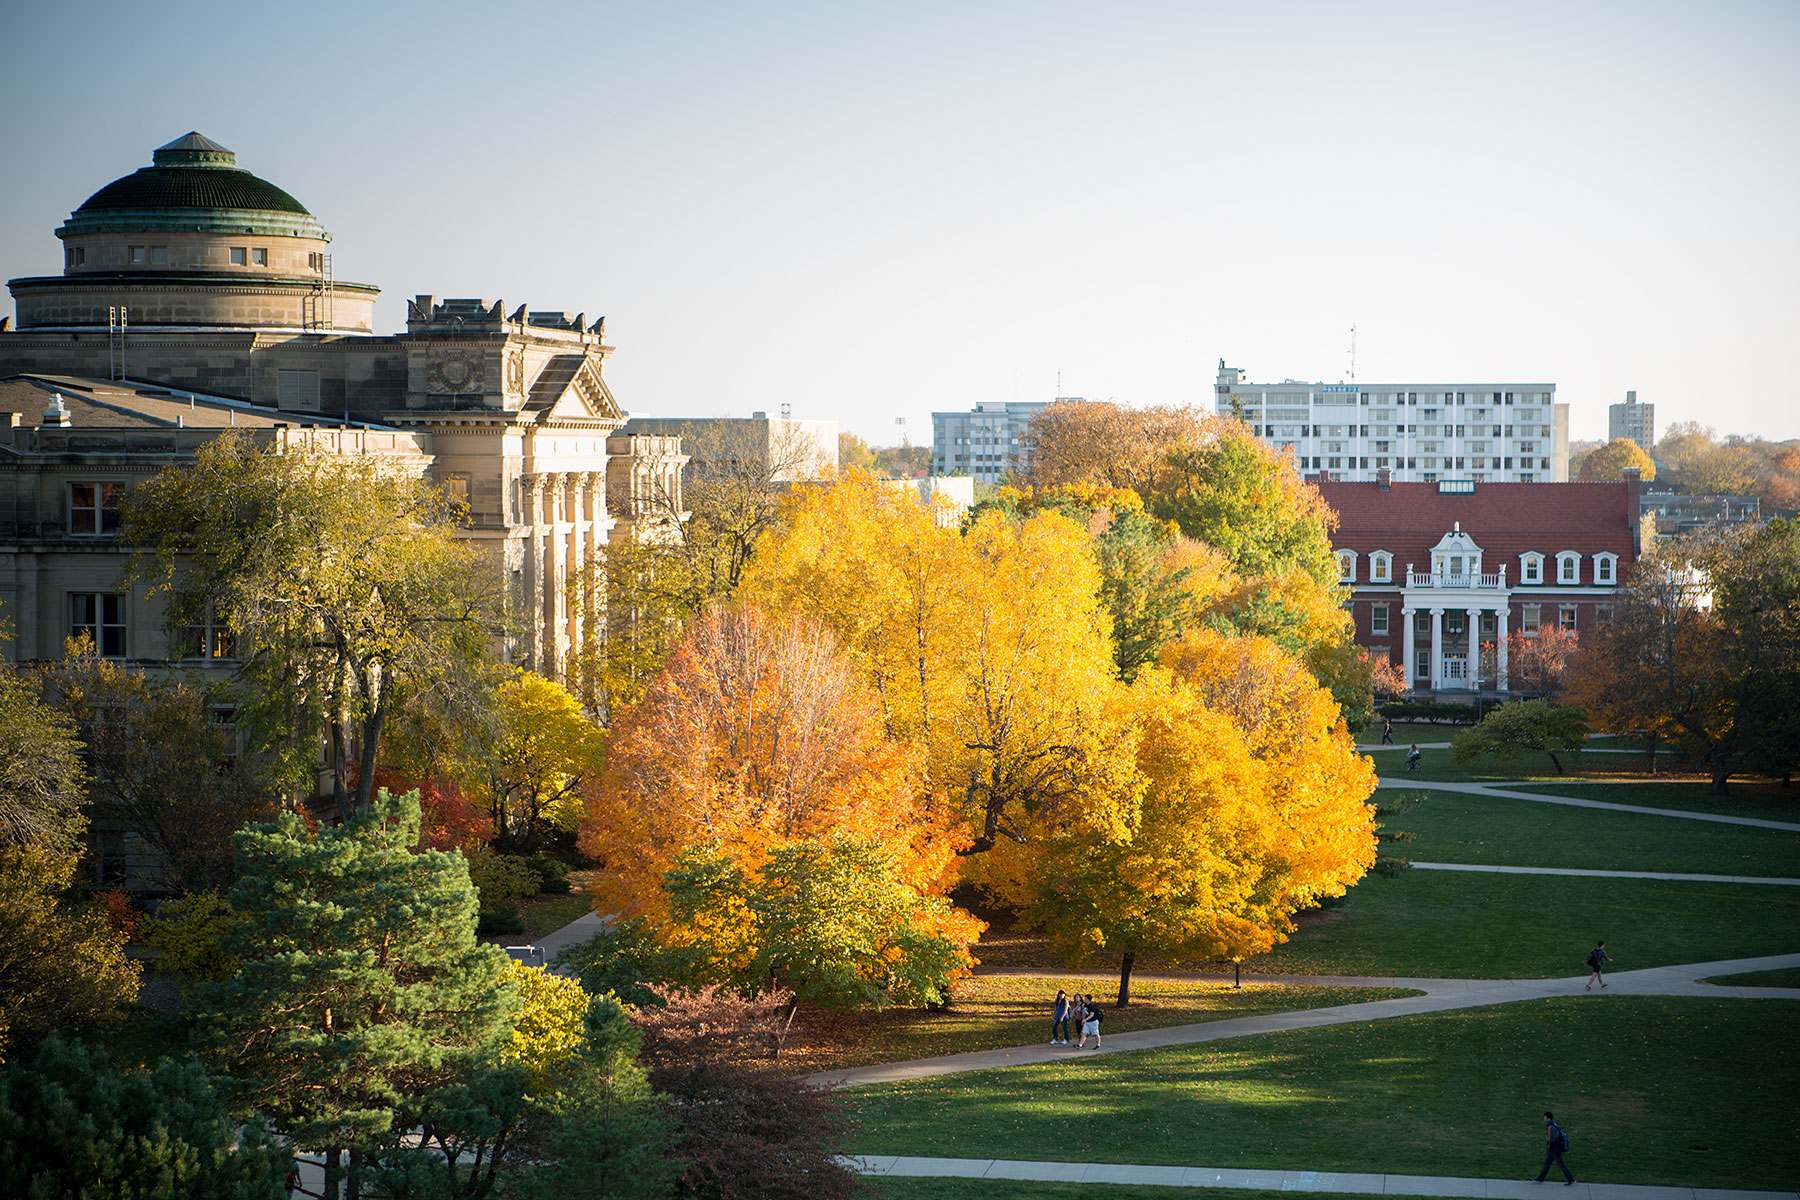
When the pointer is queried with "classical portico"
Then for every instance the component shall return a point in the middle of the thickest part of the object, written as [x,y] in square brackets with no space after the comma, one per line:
[1467,609]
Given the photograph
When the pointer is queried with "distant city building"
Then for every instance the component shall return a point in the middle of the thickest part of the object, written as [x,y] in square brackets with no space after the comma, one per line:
[797,450]
[1438,571]
[983,444]
[1632,421]
[950,495]
[1419,432]
[1678,512]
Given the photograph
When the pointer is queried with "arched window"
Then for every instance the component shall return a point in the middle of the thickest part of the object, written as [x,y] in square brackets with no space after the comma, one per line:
[1531,567]
[1568,567]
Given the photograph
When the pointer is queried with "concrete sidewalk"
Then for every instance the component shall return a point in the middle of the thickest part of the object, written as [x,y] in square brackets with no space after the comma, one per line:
[1440,995]
[1279,1180]
[1488,789]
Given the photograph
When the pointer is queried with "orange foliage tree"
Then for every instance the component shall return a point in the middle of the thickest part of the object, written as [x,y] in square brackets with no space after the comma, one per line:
[757,737]
[1253,806]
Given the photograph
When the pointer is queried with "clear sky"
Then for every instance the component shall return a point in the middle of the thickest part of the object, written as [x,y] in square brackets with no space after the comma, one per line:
[871,211]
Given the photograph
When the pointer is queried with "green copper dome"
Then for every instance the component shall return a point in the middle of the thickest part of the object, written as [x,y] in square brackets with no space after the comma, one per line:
[192,179]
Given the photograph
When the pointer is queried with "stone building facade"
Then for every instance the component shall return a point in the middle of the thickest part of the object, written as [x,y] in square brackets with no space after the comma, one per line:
[196,298]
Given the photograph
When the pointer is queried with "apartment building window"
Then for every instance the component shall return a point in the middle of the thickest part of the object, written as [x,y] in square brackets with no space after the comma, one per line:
[1565,618]
[94,507]
[100,616]
[1568,567]
[1378,620]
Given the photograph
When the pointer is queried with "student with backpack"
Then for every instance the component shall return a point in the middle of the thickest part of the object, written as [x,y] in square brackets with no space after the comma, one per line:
[1597,958]
[1090,1022]
[1556,1144]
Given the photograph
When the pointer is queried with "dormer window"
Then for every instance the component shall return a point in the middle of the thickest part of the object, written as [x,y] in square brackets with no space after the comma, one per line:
[1381,567]
[1346,566]
[1568,567]
[1531,567]
[1606,569]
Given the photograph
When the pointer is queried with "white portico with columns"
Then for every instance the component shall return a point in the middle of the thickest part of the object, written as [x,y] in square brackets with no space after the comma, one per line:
[1466,607]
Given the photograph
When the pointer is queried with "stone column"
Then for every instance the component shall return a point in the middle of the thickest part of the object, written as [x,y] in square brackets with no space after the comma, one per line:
[1472,676]
[530,603]
[550,601]
[1409,653]
[1437,649]
[1500,646]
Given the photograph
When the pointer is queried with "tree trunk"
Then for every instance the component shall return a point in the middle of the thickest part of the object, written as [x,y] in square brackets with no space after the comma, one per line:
[1125,962]
[1721,781]
[1650,744]
[1555,761]
[371,733]
[333,1173]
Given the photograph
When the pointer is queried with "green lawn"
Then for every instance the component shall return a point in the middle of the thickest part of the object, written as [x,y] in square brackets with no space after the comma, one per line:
[1787,977]
[1460,828]
[547,914]
[1761,799]
[992,1011]
[1473,926]
[1390,763]
[1653,1091]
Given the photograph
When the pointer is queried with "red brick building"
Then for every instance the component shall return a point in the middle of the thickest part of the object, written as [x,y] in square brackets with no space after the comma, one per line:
[1437,569]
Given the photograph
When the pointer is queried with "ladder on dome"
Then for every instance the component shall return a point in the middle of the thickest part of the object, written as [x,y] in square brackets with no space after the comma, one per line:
[319,302]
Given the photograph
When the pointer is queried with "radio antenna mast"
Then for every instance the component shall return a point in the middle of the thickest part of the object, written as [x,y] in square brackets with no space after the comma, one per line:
[1352,354]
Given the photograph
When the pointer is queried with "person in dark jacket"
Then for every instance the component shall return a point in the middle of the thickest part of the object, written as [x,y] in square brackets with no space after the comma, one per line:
[1555,1142]
[1597,958]
[1059,1019]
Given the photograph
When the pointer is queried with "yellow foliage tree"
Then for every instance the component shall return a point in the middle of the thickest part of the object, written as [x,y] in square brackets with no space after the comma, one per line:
[1253,807]
[989,648]
[1608,462]
[547,1033]
[531,776]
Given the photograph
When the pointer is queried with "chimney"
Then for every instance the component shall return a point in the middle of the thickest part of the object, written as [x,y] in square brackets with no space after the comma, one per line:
[1384,478]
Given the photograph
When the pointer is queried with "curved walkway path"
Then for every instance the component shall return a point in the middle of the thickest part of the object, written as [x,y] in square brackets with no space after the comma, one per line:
[1439,995]
[1488,789]
[1287,1181]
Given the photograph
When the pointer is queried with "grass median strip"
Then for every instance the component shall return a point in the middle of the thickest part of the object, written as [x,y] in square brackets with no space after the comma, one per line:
[1654,1090]
[994,1011]
[1457,925]
[1495,830]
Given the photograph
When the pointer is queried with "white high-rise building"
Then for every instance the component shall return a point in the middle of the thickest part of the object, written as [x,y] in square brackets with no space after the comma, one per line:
[1423,432]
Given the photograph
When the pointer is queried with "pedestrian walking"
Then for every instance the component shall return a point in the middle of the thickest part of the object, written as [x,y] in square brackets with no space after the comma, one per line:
[1597,958]
[1556,1144]
[1059,1019]
[1387,731]
[1412,758]
[1090,1023]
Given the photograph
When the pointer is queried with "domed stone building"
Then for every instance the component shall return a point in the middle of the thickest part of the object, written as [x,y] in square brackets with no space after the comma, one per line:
[196,297]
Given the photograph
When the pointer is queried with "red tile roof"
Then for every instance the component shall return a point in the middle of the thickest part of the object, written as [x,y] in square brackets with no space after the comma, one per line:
[1505,520]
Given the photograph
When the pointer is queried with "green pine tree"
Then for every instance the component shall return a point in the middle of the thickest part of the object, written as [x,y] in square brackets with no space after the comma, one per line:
[72,1125]
[363,998]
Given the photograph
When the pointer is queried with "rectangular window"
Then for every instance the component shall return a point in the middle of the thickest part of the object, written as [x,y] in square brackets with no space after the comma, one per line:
[1487,623]
[1528,618]
[259,258]
[101,616]
[1422,622]
[1453,621]
[1568,570]
[239,256]
[209,639]
[94,507]
[139,255]
[1378,620]
[1565,618]
[159,256]
[1380,569]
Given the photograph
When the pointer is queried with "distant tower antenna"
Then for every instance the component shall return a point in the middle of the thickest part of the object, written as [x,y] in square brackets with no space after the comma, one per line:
[901,422]
[1352,354]
[1059,383]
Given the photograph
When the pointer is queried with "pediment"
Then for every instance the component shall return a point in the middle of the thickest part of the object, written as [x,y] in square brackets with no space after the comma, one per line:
[570,387]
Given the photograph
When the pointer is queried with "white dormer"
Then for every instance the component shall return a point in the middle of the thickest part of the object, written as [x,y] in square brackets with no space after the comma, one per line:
[1381,567]
[1531,567]
[1346,561]
[1606,568]
[1568,567]
[1456,556]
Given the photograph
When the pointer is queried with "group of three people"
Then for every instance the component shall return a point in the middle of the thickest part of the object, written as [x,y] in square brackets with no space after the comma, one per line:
[1083,1011]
